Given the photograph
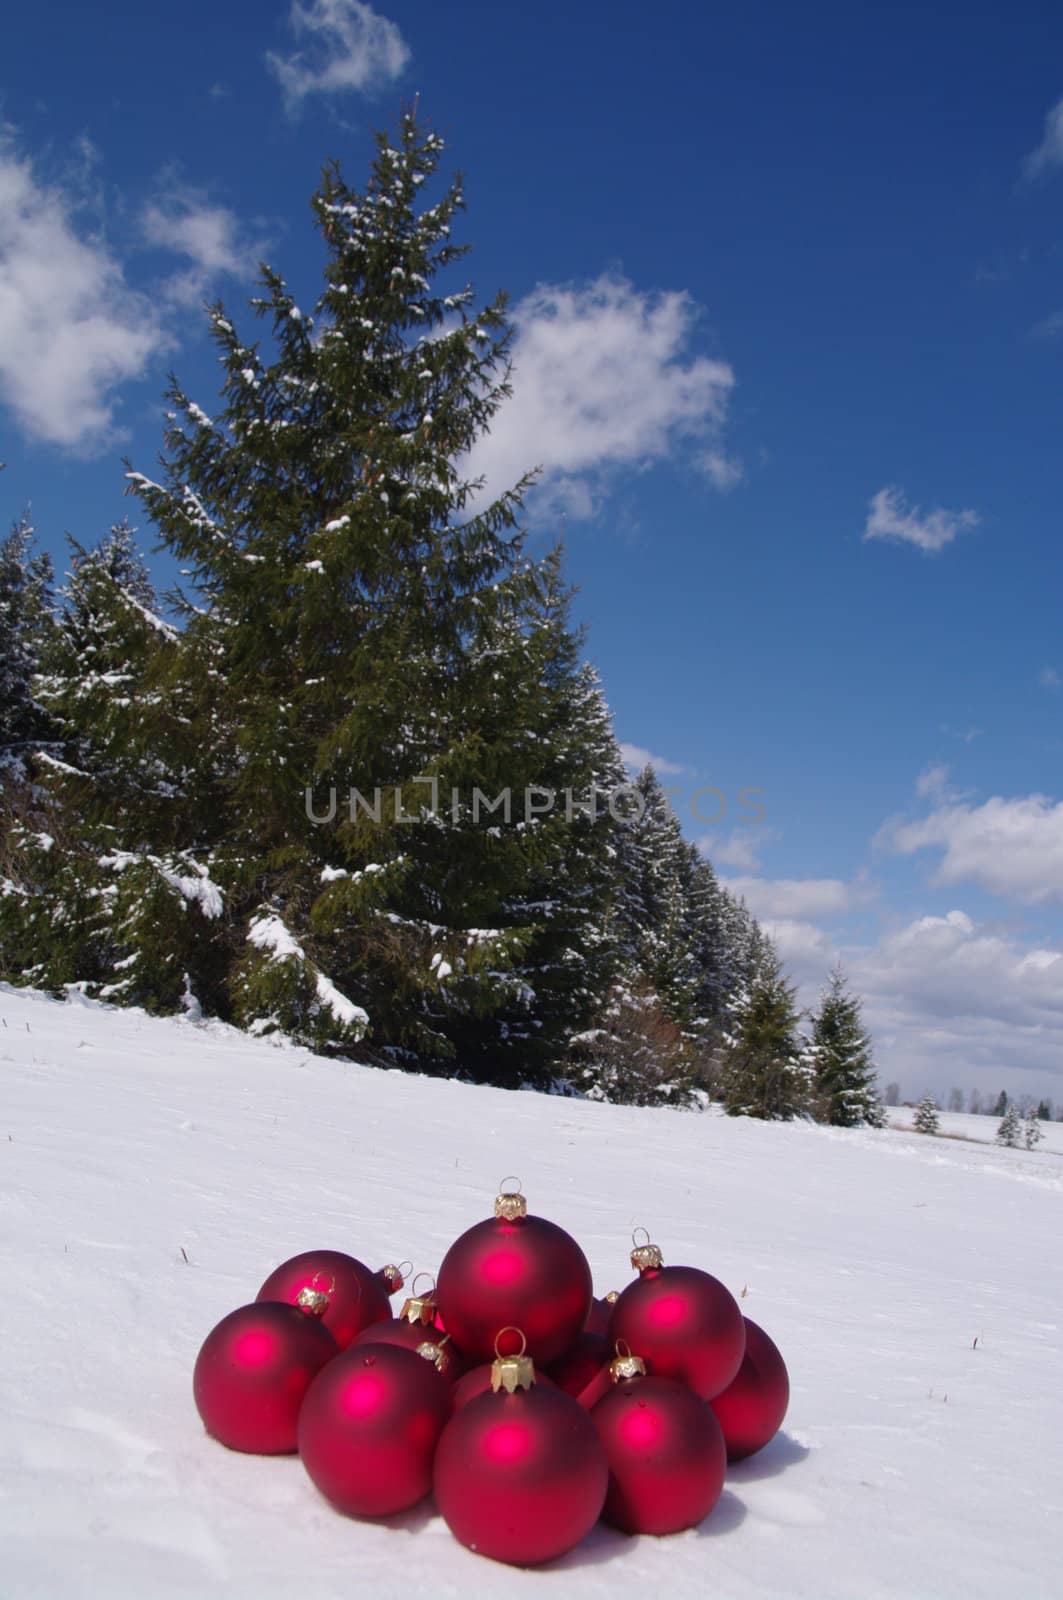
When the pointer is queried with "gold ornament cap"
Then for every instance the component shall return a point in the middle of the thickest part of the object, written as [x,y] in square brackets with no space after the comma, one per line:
[625,1365]
[645,1257]
[314,1301]
[510,1204]
[437,1354]
[512,1372]
[420,1307]
[612,1297]
[395,1276]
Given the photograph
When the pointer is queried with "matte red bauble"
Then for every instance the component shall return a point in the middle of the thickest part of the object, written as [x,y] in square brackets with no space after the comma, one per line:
[477,1381]
[666,1455]
[600,1312]
[582,1361]
[356,1294]
[254,1369]
[520,1474]
[369,1427]
[514,1269]
[750,1410]
[685,1325]
[412,1336]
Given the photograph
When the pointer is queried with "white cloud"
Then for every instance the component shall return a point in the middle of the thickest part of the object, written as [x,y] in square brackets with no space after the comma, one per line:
[346,45]
[740,849]
[1049,152]
[636,757]
[605,378]
[71,328]
[183,220]
[1013,848]
[950,1001]
[890,517]
[795,898]
[1050,678]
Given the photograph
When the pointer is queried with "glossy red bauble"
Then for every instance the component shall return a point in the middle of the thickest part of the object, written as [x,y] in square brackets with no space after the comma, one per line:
[409,1336]
[582,1361]
[369,1427]
[356,1294]
[253,1371]
[666,1455]
[685,1325]
[751,1409]
[477,1381]
[521,1477]
[527,1273]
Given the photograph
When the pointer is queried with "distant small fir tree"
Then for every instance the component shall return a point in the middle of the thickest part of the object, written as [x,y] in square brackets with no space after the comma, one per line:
[1002,1104]
[1010,1130]
[1032,1132]
[1044,1110]
[926,1115]
[892,1096]
[844,1087]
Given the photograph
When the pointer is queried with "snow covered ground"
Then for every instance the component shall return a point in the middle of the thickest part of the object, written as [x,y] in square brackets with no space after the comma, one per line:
[914,1285]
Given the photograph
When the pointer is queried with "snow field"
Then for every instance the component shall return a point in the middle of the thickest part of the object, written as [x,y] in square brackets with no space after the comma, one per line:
[913,1284]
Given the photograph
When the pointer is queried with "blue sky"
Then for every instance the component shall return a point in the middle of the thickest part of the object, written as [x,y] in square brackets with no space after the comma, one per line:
[788,292]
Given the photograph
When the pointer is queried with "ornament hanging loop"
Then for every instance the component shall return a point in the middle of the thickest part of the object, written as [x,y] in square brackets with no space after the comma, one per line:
[314,1301]
[510,1204]
[645,1257]
[420,1306]
[625,1365]
[512,1372]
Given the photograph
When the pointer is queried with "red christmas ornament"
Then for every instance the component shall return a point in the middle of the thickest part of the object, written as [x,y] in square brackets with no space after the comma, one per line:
[477,1381]
[368,1432]
[416,1328]
[600,1312]
[254,1369]
[514,1269]
[685,1325]
[356,1294]
[665,1451]
[582,1361]
[520,1473]
[750,1410]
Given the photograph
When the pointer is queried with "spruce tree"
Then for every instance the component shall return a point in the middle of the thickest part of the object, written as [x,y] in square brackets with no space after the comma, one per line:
[1032,1132]
[765,1070]
[1009,1132]
[366,661]
[926,1115]
[25,610]
[845,1091]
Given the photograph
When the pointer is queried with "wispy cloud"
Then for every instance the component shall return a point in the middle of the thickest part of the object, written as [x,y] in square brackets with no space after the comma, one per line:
[637,757]
[345,46]
[72,330]
[741,848]
[183,220]
[1049,153]
[797,899]
[1049,678]
[605,377]
[891,517]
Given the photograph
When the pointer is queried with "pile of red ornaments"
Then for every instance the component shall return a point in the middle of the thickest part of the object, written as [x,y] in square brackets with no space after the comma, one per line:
[528,1407]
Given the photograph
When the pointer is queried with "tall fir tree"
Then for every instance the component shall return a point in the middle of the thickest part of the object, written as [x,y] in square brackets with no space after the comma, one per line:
[25,610]
[360,621]
[845,1089]
[765,1069]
